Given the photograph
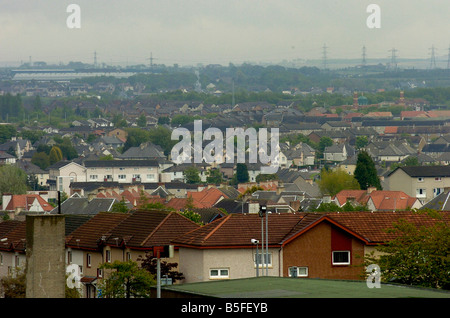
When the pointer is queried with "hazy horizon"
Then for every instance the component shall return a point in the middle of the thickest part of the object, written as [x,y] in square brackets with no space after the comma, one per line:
[220,32]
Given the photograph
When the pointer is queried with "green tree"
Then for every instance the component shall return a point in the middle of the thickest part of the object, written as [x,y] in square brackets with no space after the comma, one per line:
[40,159]
[214,176]
[361,142]
[141,121]
[14,286]
[189,211]
[323,143]
[55,155]
[192,175]
[418,254]
[126,280]
[162,137]
[365,172]
[333,181]
[149,263]
[242,175]
[163,120]
[120,206]
[12,180]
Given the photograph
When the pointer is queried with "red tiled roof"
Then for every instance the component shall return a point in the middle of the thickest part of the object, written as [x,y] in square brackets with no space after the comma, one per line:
[177,203]
[145,229]
[25,200]
[87,236]
[207,197]
[374,226]
[237,230]
[390,129]
[382,200]
[13,234]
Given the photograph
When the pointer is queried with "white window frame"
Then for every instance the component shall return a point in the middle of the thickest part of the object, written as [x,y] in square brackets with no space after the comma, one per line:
[219,275]
[108,256]
[88,260]
[420,179]
[122,176]
[419,194]
[340,263]
[93,177]
[298,270]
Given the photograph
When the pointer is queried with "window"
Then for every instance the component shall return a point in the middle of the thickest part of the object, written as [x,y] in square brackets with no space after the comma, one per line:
[421,193]
[219,273]
[341,258]
[420,179]
[128,256]
[258,258]
[438,179]
[151,176]
[99,272]
[69,257]
[93,177]
[437,191]
[1,259]
[88,260]
[108,256]
[296,271]
[122,176]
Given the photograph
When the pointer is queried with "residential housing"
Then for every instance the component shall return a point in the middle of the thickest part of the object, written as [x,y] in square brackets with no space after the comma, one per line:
[421,182]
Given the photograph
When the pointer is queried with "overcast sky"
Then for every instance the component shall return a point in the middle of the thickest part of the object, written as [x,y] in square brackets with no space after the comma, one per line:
[219,31]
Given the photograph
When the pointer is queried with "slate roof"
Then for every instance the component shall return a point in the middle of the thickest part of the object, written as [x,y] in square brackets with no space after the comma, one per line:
[121,163]
[144,151]
[84,206]
[425,171]
[440,203]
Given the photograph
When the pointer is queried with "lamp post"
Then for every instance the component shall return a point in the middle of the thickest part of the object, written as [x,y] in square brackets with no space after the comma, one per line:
[262,214]
[254,241]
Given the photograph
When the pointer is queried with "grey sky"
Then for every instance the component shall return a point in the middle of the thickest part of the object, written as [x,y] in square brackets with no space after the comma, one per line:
[219,31]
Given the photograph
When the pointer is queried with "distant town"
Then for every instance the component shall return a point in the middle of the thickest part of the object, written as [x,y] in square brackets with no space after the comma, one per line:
[93,143]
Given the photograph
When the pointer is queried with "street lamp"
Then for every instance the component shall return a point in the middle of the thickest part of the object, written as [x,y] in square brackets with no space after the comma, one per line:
[255,241]
[263,213]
